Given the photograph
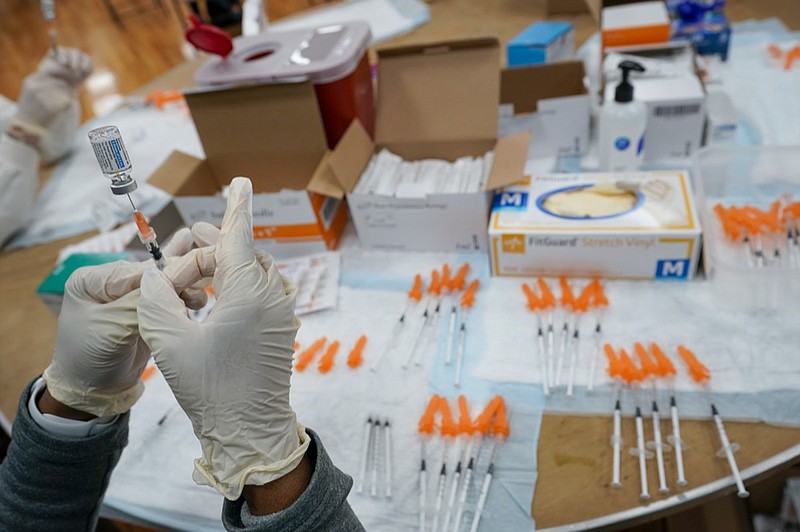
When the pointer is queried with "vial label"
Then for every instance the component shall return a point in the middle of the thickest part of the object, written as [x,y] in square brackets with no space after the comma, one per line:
[111,156]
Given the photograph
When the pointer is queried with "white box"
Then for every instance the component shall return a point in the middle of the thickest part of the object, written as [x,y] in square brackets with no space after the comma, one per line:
[658,237]
[435,101]
[675,115]
[549,101]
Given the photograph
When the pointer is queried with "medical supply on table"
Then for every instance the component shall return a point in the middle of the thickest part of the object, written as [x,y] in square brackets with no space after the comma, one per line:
[748,200]
[376,458]
[466,429]
[572,308]
[388,174]
[541,42]
[326,362]
[493,419]
[116,165]
[701,375]
[425,428]
[455,285]
[666,370]
[356,356]
[432,307]
[333,57]
[650,370]
[769,238]
[600,304]
[414,298]
[307,356]
[640,225]
[501,432]
[49,15]
[448,431]
[784,55]
[622,126]
[466,303]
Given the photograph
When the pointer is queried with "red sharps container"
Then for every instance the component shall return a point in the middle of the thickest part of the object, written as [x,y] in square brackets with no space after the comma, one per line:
[333,57]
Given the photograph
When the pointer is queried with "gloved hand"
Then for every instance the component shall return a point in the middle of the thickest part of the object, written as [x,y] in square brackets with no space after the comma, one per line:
[231,373]
[99,355]
[51,89]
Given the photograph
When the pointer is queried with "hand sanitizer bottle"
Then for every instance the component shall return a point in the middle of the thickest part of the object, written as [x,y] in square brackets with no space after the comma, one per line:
[622,126]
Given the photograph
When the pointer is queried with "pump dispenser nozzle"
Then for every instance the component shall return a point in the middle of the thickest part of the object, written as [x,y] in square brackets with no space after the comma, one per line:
[624,92]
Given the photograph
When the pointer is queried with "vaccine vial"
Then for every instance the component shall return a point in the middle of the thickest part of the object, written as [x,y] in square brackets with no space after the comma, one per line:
[113,158]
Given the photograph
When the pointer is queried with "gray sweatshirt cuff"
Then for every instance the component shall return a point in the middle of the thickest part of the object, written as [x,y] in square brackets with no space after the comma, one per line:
[322,506]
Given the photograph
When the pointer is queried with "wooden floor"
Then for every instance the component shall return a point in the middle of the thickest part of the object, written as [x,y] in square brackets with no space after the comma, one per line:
[149,40]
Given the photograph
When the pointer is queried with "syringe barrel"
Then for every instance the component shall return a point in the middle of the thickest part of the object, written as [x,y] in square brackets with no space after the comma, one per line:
[113,158]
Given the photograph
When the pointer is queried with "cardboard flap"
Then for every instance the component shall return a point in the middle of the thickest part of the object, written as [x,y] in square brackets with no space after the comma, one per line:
[438,92]
[510,155]
[351,156]
[184,175]
[270,133]
[324,181]
[525,86]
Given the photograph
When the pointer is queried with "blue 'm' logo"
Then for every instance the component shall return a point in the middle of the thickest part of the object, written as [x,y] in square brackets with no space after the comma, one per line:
[672,269]
[622,143]
[515,201]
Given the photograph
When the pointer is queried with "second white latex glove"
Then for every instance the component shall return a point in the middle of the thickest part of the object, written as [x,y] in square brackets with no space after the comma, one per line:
[231,374]
[99,356]
[51,89]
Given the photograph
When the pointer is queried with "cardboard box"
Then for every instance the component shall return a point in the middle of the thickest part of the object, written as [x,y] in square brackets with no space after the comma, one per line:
[434,101]
[658,237]
[633,24]
[541,42]
[272,134]
[549,101]
[573,7]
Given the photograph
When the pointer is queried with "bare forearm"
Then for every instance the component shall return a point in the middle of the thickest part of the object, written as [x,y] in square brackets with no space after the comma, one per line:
[279,494]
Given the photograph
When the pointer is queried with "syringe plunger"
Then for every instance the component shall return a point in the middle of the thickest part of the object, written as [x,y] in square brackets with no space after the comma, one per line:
[113,158]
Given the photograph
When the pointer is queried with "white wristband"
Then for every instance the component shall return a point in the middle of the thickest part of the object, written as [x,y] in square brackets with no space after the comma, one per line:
[61,426]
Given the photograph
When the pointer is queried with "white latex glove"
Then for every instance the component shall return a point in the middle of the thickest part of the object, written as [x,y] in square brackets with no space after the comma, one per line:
[99,355]
[231,373]
[51,89]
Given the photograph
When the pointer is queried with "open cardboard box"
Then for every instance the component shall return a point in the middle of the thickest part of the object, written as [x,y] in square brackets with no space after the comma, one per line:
[552,102]
[434,101]
[272,134]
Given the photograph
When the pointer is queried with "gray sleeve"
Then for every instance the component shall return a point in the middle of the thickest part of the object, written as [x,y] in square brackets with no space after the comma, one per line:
[48,482]
[322,506]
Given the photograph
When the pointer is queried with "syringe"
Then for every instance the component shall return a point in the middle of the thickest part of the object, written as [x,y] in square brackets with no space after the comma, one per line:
[49,15]
[116,165]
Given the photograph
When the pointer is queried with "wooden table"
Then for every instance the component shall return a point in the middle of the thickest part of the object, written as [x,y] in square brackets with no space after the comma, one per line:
[574,451]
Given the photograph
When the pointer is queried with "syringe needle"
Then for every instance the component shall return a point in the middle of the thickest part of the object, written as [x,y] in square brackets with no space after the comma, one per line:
[131,200]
